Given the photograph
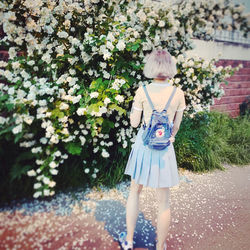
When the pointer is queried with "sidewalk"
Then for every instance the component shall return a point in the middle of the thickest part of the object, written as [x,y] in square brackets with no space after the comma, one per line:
[209,211]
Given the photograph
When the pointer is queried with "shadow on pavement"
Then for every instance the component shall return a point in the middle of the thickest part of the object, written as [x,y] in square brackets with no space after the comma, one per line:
[113,214]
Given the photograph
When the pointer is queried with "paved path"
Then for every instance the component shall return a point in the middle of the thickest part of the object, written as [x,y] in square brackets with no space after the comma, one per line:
[209,211]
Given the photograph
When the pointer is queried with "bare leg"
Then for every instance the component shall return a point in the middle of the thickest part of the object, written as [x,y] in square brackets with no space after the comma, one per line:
[164,216]
[132,209]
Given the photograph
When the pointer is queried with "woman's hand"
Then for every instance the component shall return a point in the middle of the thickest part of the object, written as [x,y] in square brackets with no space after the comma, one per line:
[172,139]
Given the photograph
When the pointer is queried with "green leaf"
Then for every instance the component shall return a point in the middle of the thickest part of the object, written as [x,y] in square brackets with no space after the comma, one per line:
[4,97]
[93,107]
[57,113]
[74,148]
[6,130]
[99,120]
[80,67]
[135,47]
[10,106]
[18,170]
[117,108]
[18,137]
[106,126]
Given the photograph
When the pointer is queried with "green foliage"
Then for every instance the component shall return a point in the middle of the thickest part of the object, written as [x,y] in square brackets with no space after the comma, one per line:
[72,87]
[74,148]
[202,144]
[209,139]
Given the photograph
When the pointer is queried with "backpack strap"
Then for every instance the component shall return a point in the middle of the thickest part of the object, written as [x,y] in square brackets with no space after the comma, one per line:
[170,99]
[148,97]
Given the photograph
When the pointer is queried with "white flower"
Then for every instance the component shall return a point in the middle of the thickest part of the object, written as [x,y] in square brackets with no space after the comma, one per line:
[17,129]
[28,119]
[90,72]
[31,172]
[106,74]
[161,24]
[52,183]
[12,52]
[190,63]
[102,110]
[142,16]
[94,175]
[119,98]
[94,94]
[105,154]
[85,132]
[53,171]
[38,170]
[46,180]
[120,45]
[15,65]
[62,34]
[46,192]
[53,164]
[125,144]
[63,106]
[106,55]
[27,84]
[103,65]
[80,111]
[151,21]
[57,153]
[37,185]
[86,170]
[106,101]
[43,140]
[95,150]
[83,140]
[52,192]
[37,194]
[110,45]
[11,91]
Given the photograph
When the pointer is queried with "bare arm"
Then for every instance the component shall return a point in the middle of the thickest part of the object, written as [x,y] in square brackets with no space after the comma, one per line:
[178,117]
[135,117]
[177,122]
[136,111]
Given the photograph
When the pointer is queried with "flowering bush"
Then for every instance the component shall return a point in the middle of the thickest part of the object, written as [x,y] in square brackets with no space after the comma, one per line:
[70,90]
[200,80]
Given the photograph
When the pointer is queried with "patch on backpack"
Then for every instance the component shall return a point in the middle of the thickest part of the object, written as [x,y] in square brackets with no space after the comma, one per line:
[160,132]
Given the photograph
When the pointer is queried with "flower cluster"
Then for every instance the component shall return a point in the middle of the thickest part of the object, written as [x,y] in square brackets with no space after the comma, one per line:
[74,66]
[200,79]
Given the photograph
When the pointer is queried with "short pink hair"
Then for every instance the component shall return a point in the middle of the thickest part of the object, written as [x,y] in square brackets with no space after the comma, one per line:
[159,64]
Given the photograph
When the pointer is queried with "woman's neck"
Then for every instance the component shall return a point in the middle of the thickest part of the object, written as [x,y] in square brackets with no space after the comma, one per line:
[161,80]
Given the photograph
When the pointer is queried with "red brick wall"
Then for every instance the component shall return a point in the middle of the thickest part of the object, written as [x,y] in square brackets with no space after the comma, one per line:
[236,91]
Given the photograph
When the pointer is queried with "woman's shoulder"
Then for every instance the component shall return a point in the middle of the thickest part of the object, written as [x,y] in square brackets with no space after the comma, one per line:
[179,90]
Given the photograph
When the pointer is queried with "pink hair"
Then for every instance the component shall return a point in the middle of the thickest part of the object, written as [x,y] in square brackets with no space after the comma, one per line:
[159,64]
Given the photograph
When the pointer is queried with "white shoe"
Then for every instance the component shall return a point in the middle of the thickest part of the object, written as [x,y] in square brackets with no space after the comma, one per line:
[126,245]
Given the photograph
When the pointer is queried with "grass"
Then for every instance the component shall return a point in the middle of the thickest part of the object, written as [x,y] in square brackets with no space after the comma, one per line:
[210,139]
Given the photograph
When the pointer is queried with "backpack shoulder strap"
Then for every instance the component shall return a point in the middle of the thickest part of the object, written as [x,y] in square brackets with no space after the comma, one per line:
[148,97]
[170,99]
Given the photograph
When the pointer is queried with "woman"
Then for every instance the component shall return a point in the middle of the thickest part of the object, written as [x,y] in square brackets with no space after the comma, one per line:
[153,168]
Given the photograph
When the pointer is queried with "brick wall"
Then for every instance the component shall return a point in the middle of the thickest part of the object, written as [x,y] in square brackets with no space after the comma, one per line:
[236,91]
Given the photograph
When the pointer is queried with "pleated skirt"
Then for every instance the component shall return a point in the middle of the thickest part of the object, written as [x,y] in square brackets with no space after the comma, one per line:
[152,168]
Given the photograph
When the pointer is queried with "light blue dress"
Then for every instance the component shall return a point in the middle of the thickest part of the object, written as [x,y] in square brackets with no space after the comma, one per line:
[152,168]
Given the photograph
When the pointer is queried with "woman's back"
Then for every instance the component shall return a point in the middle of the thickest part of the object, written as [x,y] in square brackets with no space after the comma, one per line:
[159,94]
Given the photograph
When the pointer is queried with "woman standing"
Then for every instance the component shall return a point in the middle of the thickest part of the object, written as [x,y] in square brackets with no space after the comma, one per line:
[147,167]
